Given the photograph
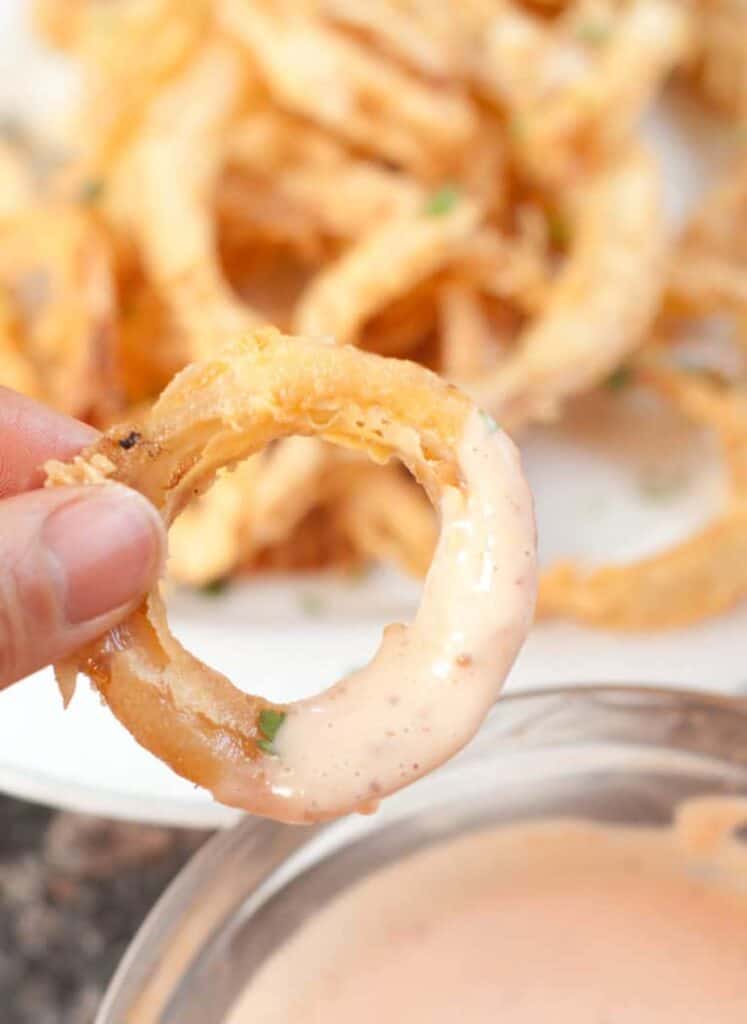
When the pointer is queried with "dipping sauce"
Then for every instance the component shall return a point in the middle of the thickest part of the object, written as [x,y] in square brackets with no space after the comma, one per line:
[431,683]
[559,922]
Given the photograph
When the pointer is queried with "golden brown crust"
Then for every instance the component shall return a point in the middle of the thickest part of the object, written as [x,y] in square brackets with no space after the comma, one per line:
[213,414]
[55,271]
[706,574]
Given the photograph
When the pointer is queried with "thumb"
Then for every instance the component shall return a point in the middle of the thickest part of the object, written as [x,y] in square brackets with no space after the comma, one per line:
[73,562]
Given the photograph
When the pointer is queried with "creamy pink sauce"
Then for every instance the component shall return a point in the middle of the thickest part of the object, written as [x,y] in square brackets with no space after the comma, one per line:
[430,685]
[560,922]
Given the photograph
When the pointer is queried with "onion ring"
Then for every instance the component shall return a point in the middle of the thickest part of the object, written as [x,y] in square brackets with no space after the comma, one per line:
[703,575]
[573,103]
[56,268]
[431,683]
[163,197]
[600,306]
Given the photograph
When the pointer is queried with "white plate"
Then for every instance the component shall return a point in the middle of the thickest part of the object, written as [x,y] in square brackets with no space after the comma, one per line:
[287,638]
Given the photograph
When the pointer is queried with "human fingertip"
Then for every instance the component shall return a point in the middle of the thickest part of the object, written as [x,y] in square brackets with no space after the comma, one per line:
[107,547]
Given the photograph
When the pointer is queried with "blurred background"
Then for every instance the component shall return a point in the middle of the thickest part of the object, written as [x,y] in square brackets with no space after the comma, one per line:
[545,201]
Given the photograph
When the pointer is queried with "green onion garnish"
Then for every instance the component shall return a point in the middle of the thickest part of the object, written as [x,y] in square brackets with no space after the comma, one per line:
[620,379]
[91,191]
[442,201]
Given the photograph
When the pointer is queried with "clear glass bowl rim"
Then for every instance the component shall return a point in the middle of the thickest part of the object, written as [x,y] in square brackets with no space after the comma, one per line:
[726,714]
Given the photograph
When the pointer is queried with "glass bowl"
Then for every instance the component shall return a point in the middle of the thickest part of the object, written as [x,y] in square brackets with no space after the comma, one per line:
[616,755]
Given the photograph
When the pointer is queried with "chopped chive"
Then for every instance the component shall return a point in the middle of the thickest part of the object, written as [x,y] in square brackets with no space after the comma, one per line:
[270,721]
[216,587]
[91,191]
[663,484]
[595,33]
[311,604]
[357,573]
[489,422]
[516,128]
[442,201]
[620,379]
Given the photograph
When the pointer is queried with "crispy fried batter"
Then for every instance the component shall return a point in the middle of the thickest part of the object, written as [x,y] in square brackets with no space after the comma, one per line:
[213,415]
[705,574]
[601,304]
[461,184]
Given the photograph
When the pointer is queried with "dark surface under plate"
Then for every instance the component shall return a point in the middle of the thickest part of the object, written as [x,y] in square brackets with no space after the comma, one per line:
[73,892]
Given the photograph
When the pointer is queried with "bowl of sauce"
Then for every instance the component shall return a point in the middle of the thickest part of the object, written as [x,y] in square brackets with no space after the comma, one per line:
[584,860]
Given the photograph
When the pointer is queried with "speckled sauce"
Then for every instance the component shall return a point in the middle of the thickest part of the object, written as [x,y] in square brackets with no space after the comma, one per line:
[559,921]
[427,690]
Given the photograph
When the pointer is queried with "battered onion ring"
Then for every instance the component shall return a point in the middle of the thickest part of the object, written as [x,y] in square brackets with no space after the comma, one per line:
[56,267]
[600,306]
[431,683]
[702,576]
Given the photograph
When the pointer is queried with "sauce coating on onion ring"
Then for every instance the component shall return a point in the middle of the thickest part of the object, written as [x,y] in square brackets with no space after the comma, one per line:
[431,683]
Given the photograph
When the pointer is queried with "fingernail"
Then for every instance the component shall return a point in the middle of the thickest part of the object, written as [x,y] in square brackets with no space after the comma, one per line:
[107,550]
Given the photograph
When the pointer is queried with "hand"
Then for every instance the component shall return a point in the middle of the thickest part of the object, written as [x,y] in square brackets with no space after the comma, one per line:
[73,561]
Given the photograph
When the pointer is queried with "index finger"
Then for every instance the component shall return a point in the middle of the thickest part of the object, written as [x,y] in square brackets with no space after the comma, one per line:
[31,433]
